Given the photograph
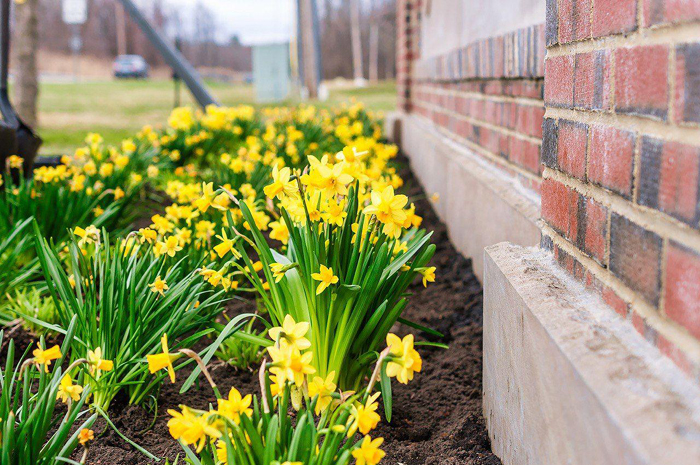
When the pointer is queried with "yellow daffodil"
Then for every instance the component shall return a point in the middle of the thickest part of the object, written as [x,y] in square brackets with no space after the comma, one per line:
[170,246]
[235,406]
[279,231]
[388,208]
[68,390]
[45,356]
[148,235]
[369,452]
[15,162]
[227,245]
[277,271]
[159,286]
[205,201]
[326,278]
[88,235]
[292,333]
[86,435]
[163,360]
[428,275]
[405,360]
[190,428]
[289,364]
[97,363]
[281,185]
[323,388]
[364,417]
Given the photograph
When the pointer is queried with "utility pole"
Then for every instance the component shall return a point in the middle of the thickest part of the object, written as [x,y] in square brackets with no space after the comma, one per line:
[374,43]
[309,57]
[121,28]
[356,43]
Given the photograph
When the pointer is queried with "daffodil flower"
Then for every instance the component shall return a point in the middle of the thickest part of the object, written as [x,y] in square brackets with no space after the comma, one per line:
[369,452]
[191,428]
[163,360]
[68,390]
[404,360]
[235,406]
[323,388]
[44,357]
[428,275]
[86,435]
[97,363]
[364,417]
[326,278]
[292,333]
[159,286]
[289,364]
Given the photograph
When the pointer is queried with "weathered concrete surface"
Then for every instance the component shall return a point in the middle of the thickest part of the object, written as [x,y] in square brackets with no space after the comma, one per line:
[480,205]
[566,381]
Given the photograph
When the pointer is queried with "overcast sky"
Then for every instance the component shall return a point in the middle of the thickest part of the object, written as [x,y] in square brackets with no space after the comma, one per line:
[254,21]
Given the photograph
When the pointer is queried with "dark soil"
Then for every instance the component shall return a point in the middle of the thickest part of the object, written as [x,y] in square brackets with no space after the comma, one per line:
[437,418]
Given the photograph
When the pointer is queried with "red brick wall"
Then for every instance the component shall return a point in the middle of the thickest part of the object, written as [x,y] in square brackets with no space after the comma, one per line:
[621,151]
[487,95]
[607,128]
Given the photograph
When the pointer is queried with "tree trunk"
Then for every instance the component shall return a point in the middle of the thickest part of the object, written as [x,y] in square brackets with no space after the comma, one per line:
[308,48]
[121,28]
[26,39]
[374,44]
[358,73]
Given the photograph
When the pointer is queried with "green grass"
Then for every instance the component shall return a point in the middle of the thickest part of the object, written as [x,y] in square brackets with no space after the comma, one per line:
[118,109]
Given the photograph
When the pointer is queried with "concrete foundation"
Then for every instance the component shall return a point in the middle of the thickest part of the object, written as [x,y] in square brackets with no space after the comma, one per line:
[566,381]
[480,204]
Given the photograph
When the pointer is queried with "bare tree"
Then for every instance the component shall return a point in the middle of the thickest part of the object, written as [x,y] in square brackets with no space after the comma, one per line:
[373,43]
[26,75]
[358,73]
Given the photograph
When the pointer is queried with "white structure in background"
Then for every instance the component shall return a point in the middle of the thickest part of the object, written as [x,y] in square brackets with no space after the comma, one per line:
[272,72]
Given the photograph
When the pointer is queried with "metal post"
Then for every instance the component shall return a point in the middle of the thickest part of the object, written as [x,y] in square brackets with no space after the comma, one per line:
[176,61]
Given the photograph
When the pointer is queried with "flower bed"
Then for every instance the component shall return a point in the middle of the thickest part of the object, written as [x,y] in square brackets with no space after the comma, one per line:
[321,253]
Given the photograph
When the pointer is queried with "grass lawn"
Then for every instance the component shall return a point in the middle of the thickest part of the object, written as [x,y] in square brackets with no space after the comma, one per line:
[118,109]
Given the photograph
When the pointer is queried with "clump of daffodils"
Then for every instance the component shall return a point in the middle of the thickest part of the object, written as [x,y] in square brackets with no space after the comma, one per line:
[353,246]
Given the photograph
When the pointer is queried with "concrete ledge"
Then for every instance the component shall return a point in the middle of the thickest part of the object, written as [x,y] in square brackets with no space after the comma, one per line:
[480,204]
[566,381]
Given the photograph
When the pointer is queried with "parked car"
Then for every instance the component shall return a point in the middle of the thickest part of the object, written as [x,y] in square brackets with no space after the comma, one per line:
[130,66]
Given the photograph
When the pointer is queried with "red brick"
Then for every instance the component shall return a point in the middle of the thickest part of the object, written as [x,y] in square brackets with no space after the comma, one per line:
[615,302]
[614,17]
[682,286]
[670,11]
[635,256]
[641,85]
[595,237]
[592,80]
[610,159]
[669,178]
[670,350]
[574,20]
[573,142]
[559,81]
[529,120]
[687,93]
[525,154]
[560,208]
